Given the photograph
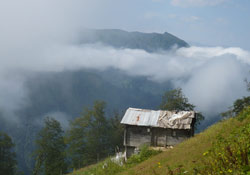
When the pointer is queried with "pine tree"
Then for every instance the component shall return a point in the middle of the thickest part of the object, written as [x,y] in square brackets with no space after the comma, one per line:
[7,155]
[50,151]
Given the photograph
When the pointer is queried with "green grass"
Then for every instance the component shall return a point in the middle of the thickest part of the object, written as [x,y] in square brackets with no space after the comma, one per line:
[190,154]
[107,167]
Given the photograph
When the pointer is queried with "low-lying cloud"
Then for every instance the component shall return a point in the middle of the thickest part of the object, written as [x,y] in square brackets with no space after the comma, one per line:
[38,36]
[211,77]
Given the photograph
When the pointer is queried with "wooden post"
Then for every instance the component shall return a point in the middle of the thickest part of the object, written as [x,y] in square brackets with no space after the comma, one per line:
[125,141]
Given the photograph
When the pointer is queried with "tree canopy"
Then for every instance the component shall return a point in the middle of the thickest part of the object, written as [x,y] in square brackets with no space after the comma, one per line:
[93,136]
[7,155]
[238,104]
[50,152]
[175,100]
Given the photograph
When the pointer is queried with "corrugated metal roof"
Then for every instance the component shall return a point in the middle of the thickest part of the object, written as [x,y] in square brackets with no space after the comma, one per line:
[160,118]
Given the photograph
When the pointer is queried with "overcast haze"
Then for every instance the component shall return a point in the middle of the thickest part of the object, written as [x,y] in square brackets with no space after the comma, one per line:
[39,36]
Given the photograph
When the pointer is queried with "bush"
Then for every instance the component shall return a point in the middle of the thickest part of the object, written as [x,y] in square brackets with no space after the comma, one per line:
[244,114]
[108,167]
[145,153]
[229,155]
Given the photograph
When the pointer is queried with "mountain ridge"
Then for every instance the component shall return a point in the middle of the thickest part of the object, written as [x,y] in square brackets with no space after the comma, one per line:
[150,42]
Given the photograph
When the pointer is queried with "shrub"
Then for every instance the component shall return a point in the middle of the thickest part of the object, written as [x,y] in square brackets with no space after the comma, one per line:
[109,167]
[244,114]
[229,155]
[145,153]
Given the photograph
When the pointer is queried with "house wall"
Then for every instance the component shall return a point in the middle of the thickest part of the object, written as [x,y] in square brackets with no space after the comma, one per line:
[135,136]
[138,135]
[178,136]
[159,136]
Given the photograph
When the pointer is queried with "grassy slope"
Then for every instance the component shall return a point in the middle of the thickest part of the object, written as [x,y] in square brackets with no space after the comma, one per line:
[188,154]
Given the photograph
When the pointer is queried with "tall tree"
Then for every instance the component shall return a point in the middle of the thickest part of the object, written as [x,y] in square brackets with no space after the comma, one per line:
[50,152]
[237,107]
[75,138]
[7,155]
[97,133]
[116,131]
[238,104]
[176,100]
[89,136]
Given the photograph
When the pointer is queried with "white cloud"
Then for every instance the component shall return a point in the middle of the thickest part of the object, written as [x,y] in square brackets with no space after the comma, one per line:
[211,77]
[191,19]
[196,3]
[152,15]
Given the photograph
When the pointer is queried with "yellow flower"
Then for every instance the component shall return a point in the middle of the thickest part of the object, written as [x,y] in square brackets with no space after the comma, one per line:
[221,172]
[229,170]
[205,153]
[159,166]
[159,163]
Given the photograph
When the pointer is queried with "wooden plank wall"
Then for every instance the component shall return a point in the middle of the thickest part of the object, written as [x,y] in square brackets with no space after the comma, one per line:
[138,135]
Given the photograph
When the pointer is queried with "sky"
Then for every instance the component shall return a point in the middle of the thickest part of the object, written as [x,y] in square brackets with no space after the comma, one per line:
[203,22]
[39,35]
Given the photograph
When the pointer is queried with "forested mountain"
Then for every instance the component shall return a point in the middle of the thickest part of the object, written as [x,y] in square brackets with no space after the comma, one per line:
[63,95]
[150,42]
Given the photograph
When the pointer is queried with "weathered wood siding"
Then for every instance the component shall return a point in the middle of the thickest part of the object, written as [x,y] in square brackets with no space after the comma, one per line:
[159,136]
[177,136]
[137,136]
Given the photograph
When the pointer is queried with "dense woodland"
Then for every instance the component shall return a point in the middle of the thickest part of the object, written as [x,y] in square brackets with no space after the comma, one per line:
[90,138]
[64,97]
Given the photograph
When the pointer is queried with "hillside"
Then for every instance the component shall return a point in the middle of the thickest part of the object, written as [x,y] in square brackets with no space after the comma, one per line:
[150,42]
[199,152]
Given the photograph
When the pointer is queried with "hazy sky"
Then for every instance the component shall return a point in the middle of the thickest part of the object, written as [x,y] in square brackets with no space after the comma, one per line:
[208,22]
[205,22]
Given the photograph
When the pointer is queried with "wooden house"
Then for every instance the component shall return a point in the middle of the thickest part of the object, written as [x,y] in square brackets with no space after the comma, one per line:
[156,128]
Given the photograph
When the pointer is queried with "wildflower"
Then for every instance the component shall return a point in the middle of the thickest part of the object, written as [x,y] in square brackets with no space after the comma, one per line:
[159,164]
[221,172]
[205,153]
[229,170]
